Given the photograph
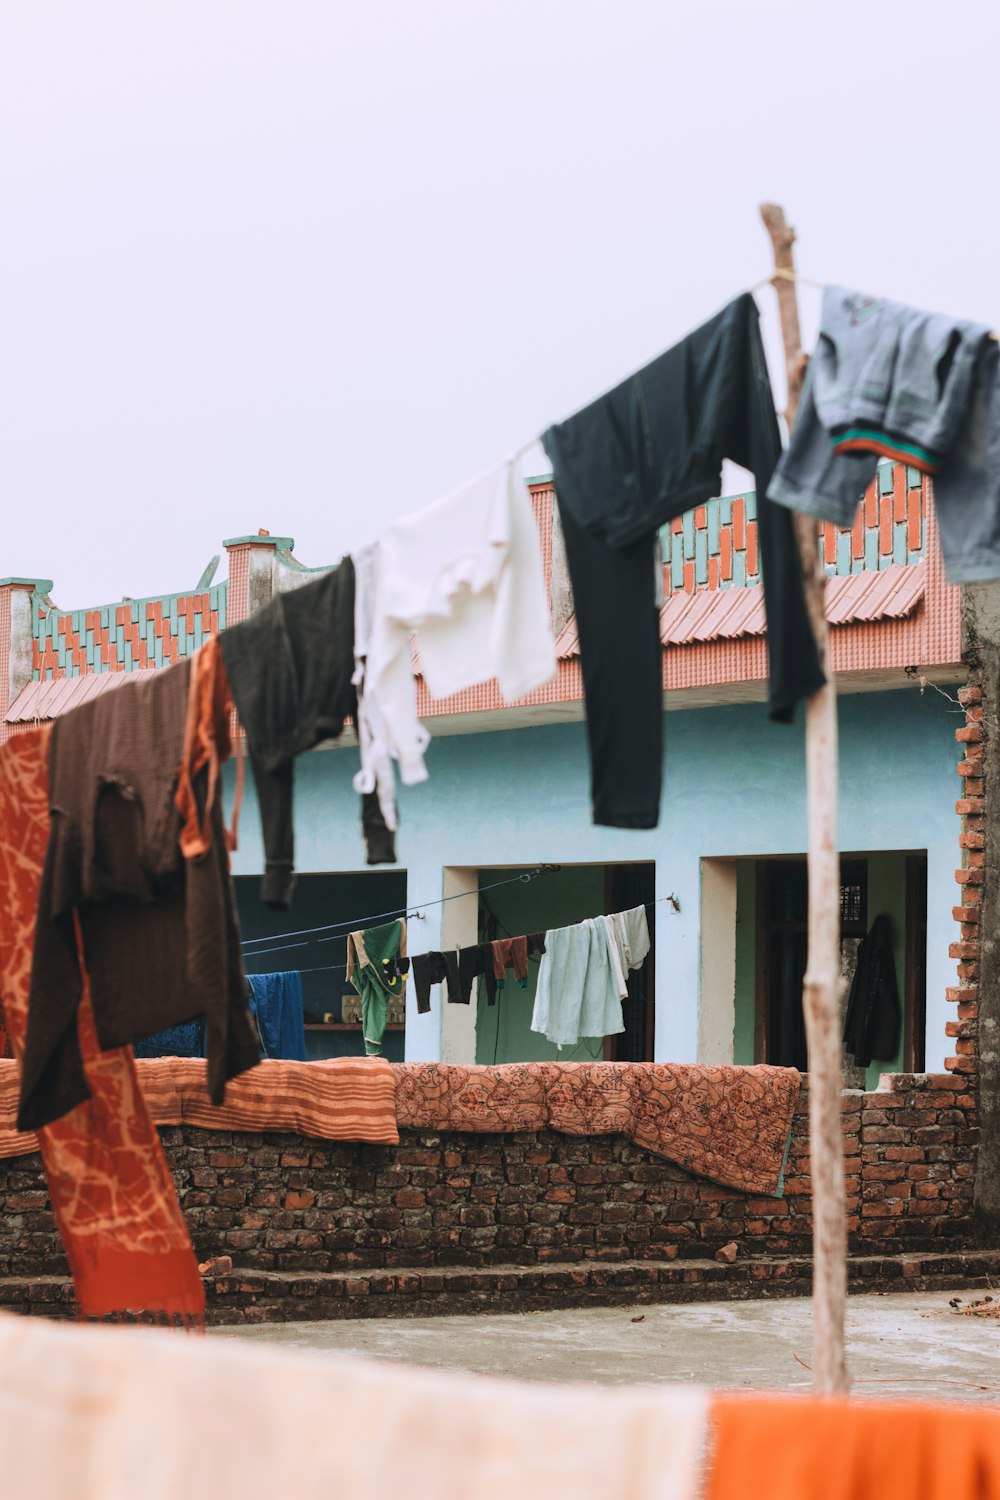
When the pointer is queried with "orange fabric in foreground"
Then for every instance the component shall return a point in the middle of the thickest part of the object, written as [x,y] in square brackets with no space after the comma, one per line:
[802,1448]
[114,1200]
[344,1099]
[730,1124]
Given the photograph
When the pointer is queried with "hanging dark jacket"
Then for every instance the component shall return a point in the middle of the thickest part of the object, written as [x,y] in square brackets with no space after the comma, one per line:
[290,668]
[872,1024]
[625,466]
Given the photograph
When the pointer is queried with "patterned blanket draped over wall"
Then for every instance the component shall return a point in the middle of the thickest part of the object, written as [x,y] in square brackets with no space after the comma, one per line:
[114,1200]
[729,1124]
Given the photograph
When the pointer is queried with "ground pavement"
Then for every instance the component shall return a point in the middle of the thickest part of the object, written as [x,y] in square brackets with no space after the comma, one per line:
[898,1345]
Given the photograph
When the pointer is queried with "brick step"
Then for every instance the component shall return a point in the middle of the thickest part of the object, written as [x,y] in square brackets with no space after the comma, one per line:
[292,1296]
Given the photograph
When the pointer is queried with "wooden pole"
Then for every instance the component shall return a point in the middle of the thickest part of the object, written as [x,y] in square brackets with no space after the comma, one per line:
[822,983]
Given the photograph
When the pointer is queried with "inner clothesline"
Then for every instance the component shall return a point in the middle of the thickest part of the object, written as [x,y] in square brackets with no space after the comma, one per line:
[416,910]
[782,273]
[342,968]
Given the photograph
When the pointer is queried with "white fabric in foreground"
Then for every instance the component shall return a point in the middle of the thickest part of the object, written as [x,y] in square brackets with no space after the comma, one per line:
[101,1413]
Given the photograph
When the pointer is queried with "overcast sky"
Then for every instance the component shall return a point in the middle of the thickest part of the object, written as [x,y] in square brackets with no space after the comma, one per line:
[308,266]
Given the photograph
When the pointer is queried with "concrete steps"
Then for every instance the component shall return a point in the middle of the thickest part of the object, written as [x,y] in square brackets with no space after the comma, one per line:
[243,1296]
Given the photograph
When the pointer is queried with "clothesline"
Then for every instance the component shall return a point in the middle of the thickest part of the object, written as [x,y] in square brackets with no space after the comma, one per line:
[342,968]
[782,273]
[336,928]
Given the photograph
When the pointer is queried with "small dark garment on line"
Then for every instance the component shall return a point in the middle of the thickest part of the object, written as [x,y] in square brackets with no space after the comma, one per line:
[871,1027]
[639,457]
[160,938]
[456,970]
[290,668]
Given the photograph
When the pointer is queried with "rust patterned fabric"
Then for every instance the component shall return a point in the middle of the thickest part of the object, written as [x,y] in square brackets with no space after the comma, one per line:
[114,1200]
[801,1448]
[726,1123]
[344,1099]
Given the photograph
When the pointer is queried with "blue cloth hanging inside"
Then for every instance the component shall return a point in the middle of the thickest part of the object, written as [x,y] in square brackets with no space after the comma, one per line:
[276,1003]
[186,1040]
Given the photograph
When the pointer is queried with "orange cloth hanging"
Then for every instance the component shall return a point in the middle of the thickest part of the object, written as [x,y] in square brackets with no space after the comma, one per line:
[207,742]
[806,1448]
[114,1200]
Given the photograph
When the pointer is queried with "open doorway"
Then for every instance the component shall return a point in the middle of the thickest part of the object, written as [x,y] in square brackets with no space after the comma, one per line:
[771,901]
[312,938]
[559,899]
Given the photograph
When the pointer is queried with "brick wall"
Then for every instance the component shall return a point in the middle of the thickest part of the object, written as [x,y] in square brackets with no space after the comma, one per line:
[280,1203]
[970,878]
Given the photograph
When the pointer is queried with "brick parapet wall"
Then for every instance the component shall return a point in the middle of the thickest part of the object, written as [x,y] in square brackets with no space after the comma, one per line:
[970,878]
[282,1203]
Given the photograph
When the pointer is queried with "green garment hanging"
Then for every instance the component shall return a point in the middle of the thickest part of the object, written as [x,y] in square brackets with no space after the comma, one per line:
[373,971]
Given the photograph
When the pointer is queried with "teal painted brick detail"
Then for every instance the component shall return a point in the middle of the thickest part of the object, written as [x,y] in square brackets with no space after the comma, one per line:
[120,641]
[844,553]
[739,570]
[701,557]
[751,505]
[912,478]
[173,615]
[713,527]
[198,633]
[150,638]
[134,612]
[677,566]
[223,605]
[899,542]
[871,549]
[665,535]
[726,510]
[689,535]
[884,475]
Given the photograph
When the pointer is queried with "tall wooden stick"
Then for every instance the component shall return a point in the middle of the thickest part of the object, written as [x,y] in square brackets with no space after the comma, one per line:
[821,985]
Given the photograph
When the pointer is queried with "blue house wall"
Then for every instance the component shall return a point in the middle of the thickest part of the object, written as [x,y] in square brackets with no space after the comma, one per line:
[734,786]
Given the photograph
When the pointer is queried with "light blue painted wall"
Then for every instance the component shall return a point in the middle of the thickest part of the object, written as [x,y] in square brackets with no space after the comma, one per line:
[734,785]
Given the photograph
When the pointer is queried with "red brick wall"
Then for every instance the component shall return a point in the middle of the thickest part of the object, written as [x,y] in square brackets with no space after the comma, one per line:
[970,878]
[283,1203]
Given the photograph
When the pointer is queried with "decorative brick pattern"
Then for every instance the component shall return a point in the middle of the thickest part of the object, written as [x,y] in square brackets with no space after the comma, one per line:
[121,637]
[715,546]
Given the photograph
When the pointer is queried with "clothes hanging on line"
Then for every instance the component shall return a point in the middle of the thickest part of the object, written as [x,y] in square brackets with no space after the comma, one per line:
[577,994]
[512,953]
[290,667]
[159,933]
[113,1198]
[463,575]
[631,933]
[873,1021]
[888,380]
[457,969]
[276,1005]
[637,458]
[376,969]
[376,780]
[186,1040]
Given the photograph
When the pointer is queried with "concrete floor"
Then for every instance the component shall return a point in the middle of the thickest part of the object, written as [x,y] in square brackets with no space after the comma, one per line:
[898,1345]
